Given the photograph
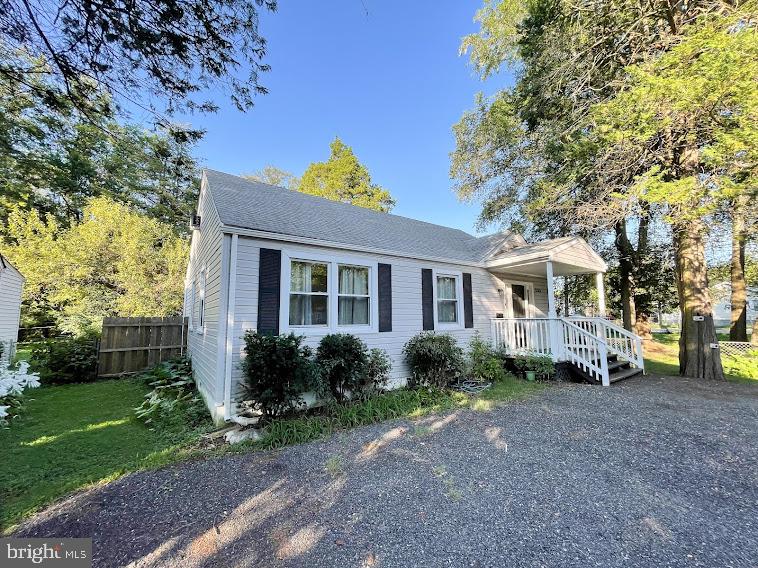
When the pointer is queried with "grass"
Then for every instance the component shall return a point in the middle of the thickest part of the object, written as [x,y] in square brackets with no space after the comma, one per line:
[401,403]
[662,358]
[71,436]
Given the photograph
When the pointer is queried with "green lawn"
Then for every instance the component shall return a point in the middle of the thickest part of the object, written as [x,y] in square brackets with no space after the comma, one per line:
[70,436]
[662,358]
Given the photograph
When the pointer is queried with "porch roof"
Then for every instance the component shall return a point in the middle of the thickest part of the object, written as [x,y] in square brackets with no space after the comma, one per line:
[569,255]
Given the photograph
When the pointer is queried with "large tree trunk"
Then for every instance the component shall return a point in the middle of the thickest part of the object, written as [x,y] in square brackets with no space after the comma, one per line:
[698,345]
[626,273]
[738,327]
[642,311]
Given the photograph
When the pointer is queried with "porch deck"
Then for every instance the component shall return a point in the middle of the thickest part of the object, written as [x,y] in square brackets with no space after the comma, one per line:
[596,347]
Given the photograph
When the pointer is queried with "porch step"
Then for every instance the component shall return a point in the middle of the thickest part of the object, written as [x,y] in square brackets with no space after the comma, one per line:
[622,374]
[618,370]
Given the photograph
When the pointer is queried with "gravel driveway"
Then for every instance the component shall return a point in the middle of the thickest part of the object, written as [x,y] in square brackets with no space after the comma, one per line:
[649,472]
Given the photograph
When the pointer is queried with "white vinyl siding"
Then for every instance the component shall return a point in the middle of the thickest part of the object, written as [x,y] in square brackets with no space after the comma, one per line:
[204,302]
[11,285]
[406,299]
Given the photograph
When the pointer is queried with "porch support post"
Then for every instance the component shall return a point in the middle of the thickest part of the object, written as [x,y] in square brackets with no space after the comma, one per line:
[600,294]
[556,346]
[551,313]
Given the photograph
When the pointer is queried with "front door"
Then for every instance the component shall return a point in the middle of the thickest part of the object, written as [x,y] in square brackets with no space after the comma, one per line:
[519,300]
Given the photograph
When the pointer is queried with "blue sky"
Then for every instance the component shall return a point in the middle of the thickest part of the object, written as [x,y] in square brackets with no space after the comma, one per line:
[390,83]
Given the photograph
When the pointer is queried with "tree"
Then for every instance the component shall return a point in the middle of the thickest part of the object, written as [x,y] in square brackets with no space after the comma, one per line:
[54,160]
[548,151]
[138,49]
[343,178]
[274,176]
[115,262]
[692,112]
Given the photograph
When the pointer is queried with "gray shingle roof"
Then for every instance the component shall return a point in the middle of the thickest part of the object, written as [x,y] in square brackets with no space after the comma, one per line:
[259,206]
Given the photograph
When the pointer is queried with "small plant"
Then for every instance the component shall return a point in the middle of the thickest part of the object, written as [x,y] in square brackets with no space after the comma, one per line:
[435,360]
[334,466]
[278,370]
[378,370]
[484,362]
[342,360]
[174,398]
[541,365]
[13,383]
[66,360]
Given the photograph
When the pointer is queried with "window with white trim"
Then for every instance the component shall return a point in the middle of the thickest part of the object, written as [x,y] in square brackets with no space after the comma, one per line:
[309,293]
[447,299]
[201,307]
[353,295]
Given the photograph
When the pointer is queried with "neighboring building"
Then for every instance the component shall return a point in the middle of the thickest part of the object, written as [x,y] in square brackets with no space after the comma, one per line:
[722,307]
[11,284]
[276,260]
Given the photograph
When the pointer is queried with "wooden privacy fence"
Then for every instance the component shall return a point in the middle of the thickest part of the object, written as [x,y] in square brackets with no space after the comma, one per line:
[130,345]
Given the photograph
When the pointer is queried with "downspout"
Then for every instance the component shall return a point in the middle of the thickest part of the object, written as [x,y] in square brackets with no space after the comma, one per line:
[230,308]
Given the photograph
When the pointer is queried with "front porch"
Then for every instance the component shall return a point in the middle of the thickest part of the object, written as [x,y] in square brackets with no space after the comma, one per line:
[598,349]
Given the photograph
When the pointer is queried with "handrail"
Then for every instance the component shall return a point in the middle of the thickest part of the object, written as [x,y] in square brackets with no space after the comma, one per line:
[523,336]
[620,341]
[586,350]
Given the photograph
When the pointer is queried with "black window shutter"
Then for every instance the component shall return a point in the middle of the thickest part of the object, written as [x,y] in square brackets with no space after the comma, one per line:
[468,302]
[385,297]
[427,298]
[269,281]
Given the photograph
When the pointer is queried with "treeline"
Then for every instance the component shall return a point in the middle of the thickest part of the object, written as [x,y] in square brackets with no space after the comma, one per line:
[630,123]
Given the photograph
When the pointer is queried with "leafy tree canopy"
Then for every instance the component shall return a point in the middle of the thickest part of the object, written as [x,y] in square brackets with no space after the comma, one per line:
[115,262]
[274,176]
[139,50]
[343,178]
[54,159]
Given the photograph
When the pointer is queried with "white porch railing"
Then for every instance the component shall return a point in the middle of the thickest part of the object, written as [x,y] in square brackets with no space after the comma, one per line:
[519,336]
[586,342]
[621,342]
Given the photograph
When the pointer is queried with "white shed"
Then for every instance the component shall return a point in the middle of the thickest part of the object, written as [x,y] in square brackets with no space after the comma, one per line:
[11,284]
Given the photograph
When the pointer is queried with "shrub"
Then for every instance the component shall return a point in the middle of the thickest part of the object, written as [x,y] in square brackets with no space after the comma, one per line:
[174,399]
[435,360]
[342,359]
[378,370]
[69,360]
[278,369]
[542,365]
[347,369]
[485,364]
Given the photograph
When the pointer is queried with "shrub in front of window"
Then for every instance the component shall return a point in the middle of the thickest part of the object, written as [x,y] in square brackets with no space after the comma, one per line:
[435,360]
[485,364]
[69,360]
[278,369]
[378,370]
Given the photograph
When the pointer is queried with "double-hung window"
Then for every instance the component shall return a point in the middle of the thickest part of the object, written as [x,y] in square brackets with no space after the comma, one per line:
[329,293]
[309,293]
[447,299]
[354,299]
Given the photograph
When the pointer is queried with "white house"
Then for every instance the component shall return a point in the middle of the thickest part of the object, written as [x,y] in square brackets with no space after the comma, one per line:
[275,260]
[11,284]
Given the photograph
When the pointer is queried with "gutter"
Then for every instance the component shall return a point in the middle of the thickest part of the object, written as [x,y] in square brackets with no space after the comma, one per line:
[230,309]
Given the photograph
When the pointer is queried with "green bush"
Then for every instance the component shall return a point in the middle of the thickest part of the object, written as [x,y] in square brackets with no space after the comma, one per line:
[174,399]
[342,359]
[278,369]
[485,364]
[435,360]
[347,369]
[67,360]
[542,365]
